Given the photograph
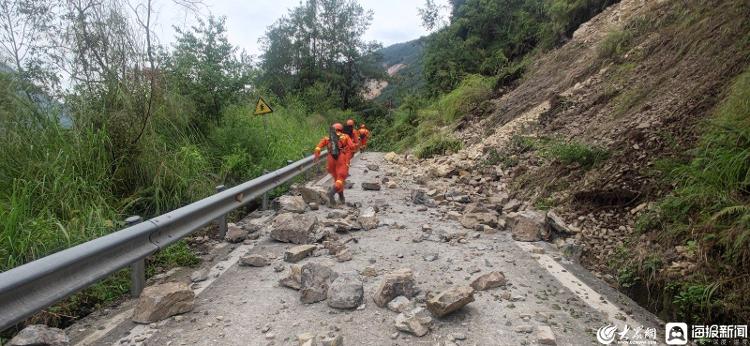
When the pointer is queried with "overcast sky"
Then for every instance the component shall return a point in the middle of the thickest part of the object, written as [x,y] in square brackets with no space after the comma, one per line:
[394,21]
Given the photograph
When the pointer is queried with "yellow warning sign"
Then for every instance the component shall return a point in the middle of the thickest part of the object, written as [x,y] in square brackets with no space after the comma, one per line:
[262,107]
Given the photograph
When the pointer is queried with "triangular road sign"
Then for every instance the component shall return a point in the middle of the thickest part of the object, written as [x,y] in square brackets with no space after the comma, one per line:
[262,107]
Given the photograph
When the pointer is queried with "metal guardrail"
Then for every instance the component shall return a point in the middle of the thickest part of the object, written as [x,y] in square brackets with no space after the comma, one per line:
[36,285]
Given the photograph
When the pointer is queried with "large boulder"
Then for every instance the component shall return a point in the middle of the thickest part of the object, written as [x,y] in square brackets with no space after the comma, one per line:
[291,204]
[293,228]
[314,194]
[40,335]
[346,291]
[316,278]
[368,219]
[398,283]
[489,280]
[450,300]
[528,225]
[416,321]
[162,301]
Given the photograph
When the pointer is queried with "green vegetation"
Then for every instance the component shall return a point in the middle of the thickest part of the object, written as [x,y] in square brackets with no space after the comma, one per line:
[709,212]
[493,37]
[141,129]
[437,146]
[575,152]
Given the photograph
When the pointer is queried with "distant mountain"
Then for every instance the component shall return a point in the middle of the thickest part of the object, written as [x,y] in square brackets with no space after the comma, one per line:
[404,64]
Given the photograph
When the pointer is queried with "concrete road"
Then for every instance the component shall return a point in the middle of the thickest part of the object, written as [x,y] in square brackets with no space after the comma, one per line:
[247,306]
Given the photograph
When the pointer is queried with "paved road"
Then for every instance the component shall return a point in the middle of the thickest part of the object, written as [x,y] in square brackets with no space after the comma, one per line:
[544,289]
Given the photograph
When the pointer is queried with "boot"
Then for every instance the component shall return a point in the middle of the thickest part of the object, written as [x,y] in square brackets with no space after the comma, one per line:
[341,197]
[331,196]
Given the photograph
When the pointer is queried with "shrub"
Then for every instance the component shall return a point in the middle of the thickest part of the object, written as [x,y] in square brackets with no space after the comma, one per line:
[575,152]
[438,145]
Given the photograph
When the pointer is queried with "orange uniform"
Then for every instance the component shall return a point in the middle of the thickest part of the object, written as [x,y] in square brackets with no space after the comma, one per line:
[338,167]
[351,130]
[364,134]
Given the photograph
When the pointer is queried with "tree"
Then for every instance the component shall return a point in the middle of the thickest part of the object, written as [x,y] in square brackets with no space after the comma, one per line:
[321,41]
[206,69]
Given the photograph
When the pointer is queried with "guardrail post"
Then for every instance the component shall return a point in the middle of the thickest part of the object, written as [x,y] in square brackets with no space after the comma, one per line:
[222,220]
[264,204]
[137,268]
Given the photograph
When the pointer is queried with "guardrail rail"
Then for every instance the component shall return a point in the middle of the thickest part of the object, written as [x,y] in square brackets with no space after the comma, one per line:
[36,285]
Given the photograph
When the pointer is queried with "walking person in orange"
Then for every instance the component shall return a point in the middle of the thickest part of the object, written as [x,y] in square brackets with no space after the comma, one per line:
[339,145]
[364,134]
[351,130]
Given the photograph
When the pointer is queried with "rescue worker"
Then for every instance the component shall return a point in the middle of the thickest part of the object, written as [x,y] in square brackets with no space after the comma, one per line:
[339,144]
[363,134]
[350,130]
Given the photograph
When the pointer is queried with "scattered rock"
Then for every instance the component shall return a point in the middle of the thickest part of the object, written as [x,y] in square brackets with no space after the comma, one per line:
[40,335]
[398,283]
[373,167]
[292,228]
[471,221]
[450,300]
[331,340]
[235,234]
[254,260]
[400,304]
[558,224]
[313,206]
[371,186]
[368,219]
[392,157]
[199,275]
[416,321]
[545,336]
[489,280]
[291,204]
[346,292]
[391,185]
[294,279]
[511,206]
[162,301]
[314,194]
[315,280]
[344,255]
[528,226]
[298,253]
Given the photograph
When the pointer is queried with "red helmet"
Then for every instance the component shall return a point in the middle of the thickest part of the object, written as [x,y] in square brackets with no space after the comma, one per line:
[350,122]
[338,127]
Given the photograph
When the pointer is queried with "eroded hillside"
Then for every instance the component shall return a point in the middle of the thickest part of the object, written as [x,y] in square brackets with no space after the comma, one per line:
[589,133]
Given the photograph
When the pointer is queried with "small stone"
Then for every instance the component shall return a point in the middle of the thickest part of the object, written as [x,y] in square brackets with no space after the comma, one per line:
[399,304]
[39,334]
[398,283]
[344,255]
[254,261]
[368,219]
[524,329]
[371,186]
[315,280]
[346,292]
[545,336]
[235,234]
[450,300]
[298,253]
[162,301]
[199,275]
[489,280]
[294,279]
[416,321]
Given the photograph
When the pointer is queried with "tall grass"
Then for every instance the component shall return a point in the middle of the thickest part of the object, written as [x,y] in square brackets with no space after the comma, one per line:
[427,127]
[709,210]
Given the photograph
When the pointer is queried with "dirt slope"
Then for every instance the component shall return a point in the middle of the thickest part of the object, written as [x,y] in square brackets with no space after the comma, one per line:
[635,82]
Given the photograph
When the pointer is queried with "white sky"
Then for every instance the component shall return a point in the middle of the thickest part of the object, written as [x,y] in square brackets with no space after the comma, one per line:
[394,21]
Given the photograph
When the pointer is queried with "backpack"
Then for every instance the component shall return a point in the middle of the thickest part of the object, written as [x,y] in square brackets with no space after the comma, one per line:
[333,143]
